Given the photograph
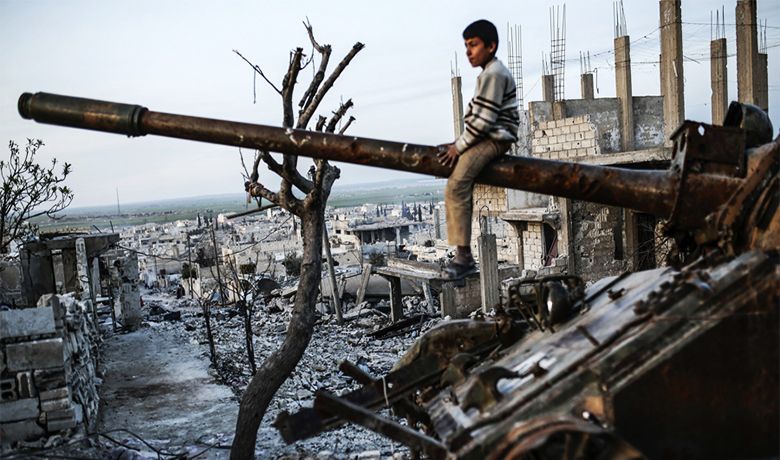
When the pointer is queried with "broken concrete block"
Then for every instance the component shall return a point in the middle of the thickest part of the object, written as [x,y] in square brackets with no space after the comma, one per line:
[26,430]
[25,385]
[61,414]
[58,393]
[53,426]
[58,309]
[55,404]
[26,322]
[38,354]
[21,409]
[49,379]
[8,390]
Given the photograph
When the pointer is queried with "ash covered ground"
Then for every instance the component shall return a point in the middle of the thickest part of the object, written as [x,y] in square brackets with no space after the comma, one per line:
[330,345]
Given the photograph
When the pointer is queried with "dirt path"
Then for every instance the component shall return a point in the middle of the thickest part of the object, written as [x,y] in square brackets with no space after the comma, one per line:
[156,385]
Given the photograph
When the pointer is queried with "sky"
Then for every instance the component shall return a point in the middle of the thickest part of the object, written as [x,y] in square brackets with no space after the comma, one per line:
[177,56]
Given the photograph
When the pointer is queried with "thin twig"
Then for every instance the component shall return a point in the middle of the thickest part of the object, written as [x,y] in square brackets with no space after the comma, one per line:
[257,69]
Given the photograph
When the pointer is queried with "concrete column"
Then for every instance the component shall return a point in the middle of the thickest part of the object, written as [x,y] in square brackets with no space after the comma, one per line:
[672,67]
[396,306]
[436,223]
[130,297]
[488,267]
[559,110]
[457,106]
[719,80]
[429,297]
[82,269]
[632,238]
[361,294]
[447,300]
[70,275]
[37,272]
[763,83]
[548,88]
[95,288]
[747,52]
[586,83]
[624,91]
[566,236]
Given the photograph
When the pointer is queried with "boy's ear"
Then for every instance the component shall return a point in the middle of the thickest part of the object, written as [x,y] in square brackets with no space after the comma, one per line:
[492,48]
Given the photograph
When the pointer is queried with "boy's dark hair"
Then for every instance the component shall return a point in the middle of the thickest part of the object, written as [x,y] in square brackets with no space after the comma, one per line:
[484,30]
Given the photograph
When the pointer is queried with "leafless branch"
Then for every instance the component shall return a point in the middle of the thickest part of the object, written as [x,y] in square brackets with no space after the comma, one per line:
[320,123]
[297,179]
[325,51]
[337,116]
[349,122]
[306,115]
[288,85]
[259,71]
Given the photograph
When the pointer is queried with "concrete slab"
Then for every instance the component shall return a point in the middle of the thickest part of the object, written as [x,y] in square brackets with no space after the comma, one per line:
[26,430]
[21,409]
[38,354]
[26,322]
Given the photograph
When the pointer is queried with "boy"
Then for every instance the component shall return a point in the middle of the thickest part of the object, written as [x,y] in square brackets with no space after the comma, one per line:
[491,124]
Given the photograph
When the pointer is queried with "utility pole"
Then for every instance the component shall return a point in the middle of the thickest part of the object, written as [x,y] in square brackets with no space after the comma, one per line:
[189,258]
[216,262]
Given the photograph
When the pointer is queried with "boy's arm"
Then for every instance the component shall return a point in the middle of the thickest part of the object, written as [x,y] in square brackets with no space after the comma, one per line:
[485,108]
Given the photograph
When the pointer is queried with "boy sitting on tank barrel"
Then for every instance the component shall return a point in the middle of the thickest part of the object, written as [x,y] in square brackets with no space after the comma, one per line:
[491,124]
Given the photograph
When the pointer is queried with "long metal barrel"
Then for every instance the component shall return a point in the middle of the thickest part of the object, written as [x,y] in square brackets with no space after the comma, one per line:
[652,192]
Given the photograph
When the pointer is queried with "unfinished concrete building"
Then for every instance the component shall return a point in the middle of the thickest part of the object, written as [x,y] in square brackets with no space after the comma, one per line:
[555,235]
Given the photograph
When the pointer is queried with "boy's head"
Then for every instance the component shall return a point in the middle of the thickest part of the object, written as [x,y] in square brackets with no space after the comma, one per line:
[481,39]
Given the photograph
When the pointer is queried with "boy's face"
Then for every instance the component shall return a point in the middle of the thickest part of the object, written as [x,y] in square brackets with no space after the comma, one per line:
[479,54]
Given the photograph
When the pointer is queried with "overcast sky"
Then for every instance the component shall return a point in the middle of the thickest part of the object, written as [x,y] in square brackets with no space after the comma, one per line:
[176,56]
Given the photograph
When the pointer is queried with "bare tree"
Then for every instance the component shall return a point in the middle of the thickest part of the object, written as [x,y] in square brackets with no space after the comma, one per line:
[311,210]
[205,305]
[29,190]
[244,290]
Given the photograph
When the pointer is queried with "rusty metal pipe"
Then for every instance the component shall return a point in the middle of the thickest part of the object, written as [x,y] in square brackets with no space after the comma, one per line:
[651,192]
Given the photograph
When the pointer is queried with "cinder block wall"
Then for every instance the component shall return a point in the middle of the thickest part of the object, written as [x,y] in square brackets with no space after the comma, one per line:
[568,139]
[491,201]
[48,362]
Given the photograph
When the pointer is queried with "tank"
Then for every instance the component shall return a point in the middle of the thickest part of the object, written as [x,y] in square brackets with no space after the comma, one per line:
[676,362]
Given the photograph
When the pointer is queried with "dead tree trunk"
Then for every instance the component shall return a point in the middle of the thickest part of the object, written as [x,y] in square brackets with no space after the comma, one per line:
[311,209]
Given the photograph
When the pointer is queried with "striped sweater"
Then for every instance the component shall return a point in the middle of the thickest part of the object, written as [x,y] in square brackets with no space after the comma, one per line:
[492,112]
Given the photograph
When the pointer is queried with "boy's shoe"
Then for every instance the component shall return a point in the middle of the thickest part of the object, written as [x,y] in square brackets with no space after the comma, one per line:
[455,271]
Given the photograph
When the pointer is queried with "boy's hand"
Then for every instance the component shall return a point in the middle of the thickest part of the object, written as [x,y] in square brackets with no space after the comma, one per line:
[449,156]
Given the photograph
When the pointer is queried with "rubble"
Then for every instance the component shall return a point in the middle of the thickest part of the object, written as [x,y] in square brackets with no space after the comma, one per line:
[330,345]
[48,382]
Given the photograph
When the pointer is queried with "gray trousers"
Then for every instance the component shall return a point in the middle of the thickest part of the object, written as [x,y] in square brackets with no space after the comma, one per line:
[460,187]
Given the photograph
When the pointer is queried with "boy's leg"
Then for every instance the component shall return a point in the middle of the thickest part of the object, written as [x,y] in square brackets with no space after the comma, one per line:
[458,192]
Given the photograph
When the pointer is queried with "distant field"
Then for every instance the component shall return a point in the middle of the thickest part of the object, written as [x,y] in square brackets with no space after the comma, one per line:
[164,211]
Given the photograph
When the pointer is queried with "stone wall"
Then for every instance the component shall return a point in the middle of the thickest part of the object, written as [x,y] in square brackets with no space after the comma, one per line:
[48,362]
[600,245]
[11,284]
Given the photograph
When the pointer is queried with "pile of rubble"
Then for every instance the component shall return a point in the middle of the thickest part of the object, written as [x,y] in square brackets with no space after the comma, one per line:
[48,362]
[363,341]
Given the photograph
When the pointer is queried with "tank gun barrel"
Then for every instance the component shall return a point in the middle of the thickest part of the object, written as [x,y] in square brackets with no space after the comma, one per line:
[653,192]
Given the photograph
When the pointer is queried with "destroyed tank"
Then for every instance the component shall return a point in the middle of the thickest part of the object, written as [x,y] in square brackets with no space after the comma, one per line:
[675,362]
